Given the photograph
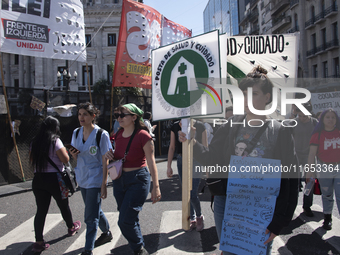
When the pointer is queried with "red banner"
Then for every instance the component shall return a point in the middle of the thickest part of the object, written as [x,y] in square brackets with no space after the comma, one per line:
[140,32]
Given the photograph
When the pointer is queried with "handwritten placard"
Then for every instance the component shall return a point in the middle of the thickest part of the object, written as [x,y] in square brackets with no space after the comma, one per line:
[250,204]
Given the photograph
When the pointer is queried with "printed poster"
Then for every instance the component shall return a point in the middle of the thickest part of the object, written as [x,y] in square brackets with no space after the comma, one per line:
[47,29]
[183,78]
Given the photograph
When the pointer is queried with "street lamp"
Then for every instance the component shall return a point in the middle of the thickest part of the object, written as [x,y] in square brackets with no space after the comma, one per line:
[67,78]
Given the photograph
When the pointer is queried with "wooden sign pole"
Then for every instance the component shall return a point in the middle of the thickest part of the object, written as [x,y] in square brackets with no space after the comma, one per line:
[186,181]
[10,119]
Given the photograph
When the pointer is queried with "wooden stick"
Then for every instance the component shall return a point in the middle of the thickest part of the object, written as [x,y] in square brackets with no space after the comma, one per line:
[186,181]
[10,119]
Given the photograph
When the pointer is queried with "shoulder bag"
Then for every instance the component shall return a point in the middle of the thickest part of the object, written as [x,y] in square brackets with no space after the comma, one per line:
[67,175]
[115,168]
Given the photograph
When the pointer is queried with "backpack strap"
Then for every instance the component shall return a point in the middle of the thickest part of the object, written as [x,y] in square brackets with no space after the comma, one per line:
[99,136]
[254,141]
[77,132]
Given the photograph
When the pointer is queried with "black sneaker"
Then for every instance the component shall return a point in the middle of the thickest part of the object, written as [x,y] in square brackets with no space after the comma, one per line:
[308,212]
[104,238]
[327,223]
[142,251]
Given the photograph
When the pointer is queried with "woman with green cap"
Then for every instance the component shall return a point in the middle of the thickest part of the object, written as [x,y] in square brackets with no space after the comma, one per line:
[132,188]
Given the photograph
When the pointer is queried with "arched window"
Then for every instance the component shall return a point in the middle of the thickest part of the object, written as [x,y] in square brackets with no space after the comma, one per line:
[312,12]
[296,22]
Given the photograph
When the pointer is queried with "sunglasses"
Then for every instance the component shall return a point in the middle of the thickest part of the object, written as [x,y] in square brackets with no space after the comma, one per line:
[121,115]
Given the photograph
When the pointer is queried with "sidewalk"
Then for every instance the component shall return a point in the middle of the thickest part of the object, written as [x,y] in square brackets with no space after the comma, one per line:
[16,188]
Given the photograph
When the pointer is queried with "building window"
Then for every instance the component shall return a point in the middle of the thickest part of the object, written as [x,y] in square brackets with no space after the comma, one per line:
[324,38]
[88,40]
[313,41]
[111,40]
[109,74]
[115,1]
[315,71]
[16,85]
[335,30]
[85,75]
[325,69]
[16,59]
[61,83]
[312,13]
[336,67]
[322,6]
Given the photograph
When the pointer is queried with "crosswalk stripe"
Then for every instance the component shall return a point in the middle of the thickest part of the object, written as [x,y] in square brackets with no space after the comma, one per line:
[316,225]
[2,215]
[79,243]
[173,239]
[22,236]
[279,247]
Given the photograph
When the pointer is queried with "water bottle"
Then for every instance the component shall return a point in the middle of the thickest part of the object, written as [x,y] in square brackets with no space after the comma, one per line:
[309,186]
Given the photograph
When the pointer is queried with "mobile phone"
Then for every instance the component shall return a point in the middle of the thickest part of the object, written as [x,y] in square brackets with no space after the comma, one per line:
[69,146]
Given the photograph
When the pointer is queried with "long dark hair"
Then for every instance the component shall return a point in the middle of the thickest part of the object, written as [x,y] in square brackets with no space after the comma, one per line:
[139,124]
[48,133]
[320,126]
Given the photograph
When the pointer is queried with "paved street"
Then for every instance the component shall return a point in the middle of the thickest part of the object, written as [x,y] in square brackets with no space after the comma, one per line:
[161,227]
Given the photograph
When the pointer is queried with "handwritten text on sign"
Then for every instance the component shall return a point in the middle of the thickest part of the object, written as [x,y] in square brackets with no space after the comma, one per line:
[250,205]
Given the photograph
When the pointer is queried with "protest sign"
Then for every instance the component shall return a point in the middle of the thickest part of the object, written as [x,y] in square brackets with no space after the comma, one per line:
[48,29]
[326,100]
[251,197]
[183,78]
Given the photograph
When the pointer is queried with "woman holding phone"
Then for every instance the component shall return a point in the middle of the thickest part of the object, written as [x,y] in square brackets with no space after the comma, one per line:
[47,180]
[91,173]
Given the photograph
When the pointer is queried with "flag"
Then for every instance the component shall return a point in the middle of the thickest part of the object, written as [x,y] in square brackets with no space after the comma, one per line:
[140,32]
[47,29]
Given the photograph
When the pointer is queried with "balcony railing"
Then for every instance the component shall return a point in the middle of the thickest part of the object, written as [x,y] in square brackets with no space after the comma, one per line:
[255,30]
[323,47]
[319,17]
[310,23]
[293,3]
[280,22]
[332,44]
[294,29]
[331,10]
[279,6]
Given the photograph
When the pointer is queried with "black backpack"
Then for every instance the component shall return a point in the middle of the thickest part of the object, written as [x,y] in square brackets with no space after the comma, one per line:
[98,135]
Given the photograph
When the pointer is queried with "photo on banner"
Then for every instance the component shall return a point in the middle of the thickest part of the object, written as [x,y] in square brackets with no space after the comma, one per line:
[47,29]
[142,29]
[183,78]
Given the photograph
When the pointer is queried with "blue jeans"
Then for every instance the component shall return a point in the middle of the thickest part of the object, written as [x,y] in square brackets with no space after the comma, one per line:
[94,216]
[330,183]
[195,204]
[130,192]
[219,207]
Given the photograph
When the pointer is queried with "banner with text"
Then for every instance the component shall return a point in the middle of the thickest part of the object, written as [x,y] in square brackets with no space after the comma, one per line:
[250,204]
[183,78]
[326,100]
[47,29]
[141,30]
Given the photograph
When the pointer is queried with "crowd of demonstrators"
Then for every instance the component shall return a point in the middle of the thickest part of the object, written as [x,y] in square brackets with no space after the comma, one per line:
[47,181]
[132,188]
[324,154]
[302,133]
[275,143]
[196,216]
[91,173]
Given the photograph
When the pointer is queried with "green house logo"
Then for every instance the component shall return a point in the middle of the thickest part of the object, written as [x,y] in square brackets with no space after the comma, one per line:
[177,85]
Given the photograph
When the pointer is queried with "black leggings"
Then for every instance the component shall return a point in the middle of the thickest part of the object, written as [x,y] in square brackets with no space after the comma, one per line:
[45,186]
